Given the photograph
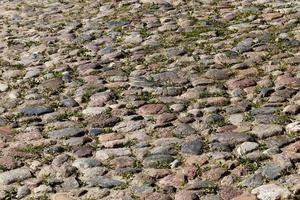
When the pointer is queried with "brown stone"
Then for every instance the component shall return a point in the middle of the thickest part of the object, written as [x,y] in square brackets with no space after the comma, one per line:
[228,192]
[61,196]
[271,16]
[217,101]
[155,196]
[245,196]
[122,162]
[51,85]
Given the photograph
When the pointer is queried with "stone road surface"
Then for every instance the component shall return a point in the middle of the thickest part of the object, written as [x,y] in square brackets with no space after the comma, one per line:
[150,99]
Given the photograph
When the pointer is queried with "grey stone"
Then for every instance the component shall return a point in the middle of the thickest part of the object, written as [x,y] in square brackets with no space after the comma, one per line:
[67,132]
[103,182]
[184,129]
[271,171]
[84,163]
[158,160]
[217,74]
[14,175]
[22,191]
[70,183]
[267,130]
[192,147]
[252,181]
[230,138]
[69,102]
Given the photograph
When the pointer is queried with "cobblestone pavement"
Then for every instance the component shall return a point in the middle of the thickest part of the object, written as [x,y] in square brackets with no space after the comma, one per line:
[150,99]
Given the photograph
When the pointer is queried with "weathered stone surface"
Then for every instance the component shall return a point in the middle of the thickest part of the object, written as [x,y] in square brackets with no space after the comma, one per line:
[230,138]
[94,111]
[240,83]
[271,171]
[84,163]
[67,132]
[107,153]
[14,175]
[40,110]
[246,147]
[103,182]
[191,100]
[267,130]
[151,109]
[271,192]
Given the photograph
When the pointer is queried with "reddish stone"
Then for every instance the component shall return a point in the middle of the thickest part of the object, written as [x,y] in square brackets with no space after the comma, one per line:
[83,151]
[151,109]
[217,101]
[214,174]
[8,162]
[157,173]
[198,160]
[173,180]
[186,195]
[165,117]
[240,83]
[287,80]
[6,132]
[190,171]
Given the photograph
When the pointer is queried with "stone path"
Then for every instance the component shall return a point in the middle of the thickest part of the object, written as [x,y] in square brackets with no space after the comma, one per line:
[150,99]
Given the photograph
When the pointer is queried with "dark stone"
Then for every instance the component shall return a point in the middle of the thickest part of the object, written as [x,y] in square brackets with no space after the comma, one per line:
[184,129]
[54,150]
[39,110]
[219,147]
[95,131]
[192,147]
[69,103]
[266,92]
